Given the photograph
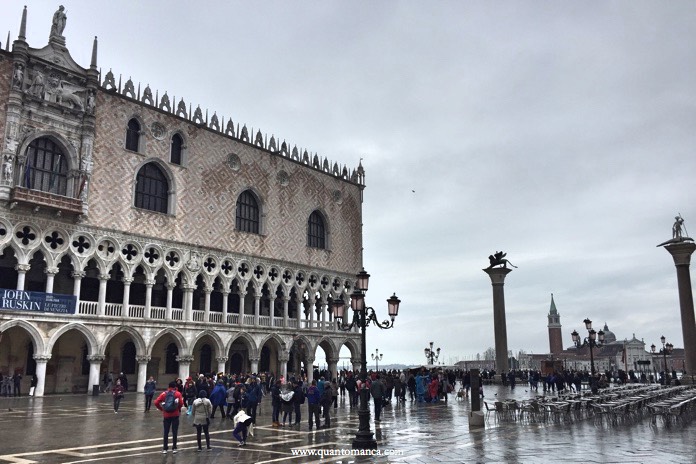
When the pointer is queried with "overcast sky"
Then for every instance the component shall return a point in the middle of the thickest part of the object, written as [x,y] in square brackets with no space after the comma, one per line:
[560,132]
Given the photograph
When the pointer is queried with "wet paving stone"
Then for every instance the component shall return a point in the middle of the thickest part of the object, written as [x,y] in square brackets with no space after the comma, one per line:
[84,429]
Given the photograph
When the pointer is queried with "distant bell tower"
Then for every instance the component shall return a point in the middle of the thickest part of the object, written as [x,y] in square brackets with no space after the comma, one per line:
[555,333]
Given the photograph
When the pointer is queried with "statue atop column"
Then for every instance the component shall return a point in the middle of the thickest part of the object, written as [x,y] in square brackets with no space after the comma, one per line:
[498,259]
[59,20]
[678,232]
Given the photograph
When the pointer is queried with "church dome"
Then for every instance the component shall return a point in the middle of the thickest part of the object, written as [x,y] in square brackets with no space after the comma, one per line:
[609,336]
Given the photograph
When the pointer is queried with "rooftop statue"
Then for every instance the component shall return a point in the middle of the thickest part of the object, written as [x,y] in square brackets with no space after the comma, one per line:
[498,259]
[59,20]
[678,231]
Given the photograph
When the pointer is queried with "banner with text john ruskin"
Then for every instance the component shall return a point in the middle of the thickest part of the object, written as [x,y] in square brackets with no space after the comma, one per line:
[19,300]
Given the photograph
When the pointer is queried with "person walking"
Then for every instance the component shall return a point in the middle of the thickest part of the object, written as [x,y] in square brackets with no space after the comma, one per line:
[286,403]
[150,387]
[217,398]
[117,393]
[298,400]
[275,404]
[201,410]
[325,401]
[313,398]
[170,403]
[17,380]
[377,390]
[33,384]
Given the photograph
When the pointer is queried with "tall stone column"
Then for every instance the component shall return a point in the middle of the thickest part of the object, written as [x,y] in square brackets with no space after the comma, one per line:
[77,286]
[149,283]
[257,309]
[283,358]
[142,372]
[333,368]
[170,295]
[286,304]
[497,275]
[356,363]
[103,279]
[95,361]
[221,360]
[254,364]
[22,270]
[41,361]
[681,253]
[242,295]
[127,281]
[184,365]
[225,297]
[309,367]
[50,278]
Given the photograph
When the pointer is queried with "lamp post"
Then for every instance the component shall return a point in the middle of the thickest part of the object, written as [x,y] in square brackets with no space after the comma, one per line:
[432,354]
[666,349]
[593,339]
[377,357]
[362,318]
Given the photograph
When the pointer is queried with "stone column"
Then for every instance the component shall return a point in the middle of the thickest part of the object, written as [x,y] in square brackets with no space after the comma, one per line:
[142,372]
[286,312]
[225,296]
[356,363]
[681,253]
[323,305]
[22,270]
[50,277]
[309,365]
[103,279]
[206,305]
[184,365]
[271,310]
[95,361]
[41,361]
[497,275]
[254,364]
[77,287]
[257,306]
[221,360]
[241,307]
[125,311]
[187,303]
[312,303]
[283,358]
[333,368]
[149,283]
[168,311]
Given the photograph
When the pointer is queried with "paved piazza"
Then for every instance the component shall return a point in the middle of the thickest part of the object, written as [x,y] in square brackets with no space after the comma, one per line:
[84,429]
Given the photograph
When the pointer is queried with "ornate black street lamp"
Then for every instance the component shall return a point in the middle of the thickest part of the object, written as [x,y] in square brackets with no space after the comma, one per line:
[377,357]
[432,354]
[593,339]
[666,349]
[362,317]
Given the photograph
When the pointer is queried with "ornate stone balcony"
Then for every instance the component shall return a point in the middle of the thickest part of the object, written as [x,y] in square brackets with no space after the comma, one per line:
[37,199]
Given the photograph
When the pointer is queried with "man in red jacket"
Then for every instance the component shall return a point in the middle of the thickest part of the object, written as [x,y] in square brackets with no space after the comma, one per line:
[170,403]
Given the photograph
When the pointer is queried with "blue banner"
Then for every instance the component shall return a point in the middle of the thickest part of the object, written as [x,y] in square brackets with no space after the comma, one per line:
[19,300]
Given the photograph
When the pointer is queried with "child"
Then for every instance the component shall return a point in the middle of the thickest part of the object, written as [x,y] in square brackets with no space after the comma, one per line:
[242,421]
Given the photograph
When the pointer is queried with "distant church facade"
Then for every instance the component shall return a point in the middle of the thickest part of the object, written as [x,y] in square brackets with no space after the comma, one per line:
[141,235]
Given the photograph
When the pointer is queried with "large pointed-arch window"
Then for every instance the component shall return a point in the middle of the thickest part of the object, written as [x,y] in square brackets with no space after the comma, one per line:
[46,168]
[247,213]
[152,189]
[133,135]
[316,231]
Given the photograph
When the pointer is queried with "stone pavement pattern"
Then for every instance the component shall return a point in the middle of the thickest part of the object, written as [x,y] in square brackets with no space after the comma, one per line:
[84,429]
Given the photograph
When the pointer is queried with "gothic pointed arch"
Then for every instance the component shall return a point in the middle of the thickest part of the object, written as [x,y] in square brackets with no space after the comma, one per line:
[140,345]
[219,344]
[180,340]
[36,336]
[92,343]
[247,340]
[276,339]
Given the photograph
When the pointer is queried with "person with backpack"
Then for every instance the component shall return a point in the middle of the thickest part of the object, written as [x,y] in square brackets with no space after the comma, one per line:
[313,397]
[170,403]
[326,399]
[298,400]
[201,410]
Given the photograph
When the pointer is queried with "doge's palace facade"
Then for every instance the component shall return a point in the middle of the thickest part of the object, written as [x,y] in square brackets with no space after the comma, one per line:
[141,235]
